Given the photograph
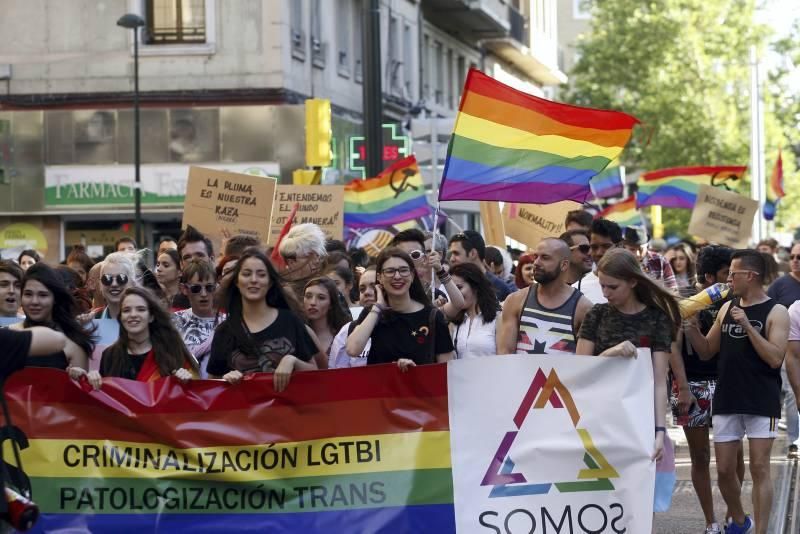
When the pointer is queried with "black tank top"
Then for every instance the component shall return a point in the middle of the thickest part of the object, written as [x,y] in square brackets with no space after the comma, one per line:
[746,384]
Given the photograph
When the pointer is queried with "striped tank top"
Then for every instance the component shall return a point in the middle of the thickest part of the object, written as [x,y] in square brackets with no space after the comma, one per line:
[544,330]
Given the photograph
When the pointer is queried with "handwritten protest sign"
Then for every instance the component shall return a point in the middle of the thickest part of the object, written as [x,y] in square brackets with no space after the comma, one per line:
[530,223]
[722,217]
[221,200]
[319,204]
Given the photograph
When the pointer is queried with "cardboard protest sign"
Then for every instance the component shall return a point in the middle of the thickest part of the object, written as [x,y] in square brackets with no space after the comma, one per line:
[492,223]
[722,217]
[221,200]
[319,204]
[530,223]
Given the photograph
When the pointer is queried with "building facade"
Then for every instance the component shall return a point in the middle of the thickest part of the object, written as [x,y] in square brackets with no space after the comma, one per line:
[223,84]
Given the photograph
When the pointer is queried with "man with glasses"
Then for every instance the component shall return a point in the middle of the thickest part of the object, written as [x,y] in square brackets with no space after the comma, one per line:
[580,259]
[786,291]
[545,317]
[469,247]
[603,236]
[196,324]
[750,334]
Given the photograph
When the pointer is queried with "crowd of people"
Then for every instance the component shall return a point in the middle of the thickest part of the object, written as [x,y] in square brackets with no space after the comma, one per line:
[596,290]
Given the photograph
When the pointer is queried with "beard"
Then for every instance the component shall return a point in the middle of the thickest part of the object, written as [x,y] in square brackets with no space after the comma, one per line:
[545,277]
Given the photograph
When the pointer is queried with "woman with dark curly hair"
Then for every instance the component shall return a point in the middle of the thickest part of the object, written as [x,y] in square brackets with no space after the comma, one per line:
[326,312]
[47,301]
[149,347]
[475,327]
[261,332]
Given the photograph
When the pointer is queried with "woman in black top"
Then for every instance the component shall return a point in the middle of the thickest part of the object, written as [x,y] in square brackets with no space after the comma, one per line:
[403,325]
[47,302]
[261,333]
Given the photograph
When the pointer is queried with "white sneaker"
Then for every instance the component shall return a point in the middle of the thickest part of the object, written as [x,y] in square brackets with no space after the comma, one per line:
[781,425]
[713,529]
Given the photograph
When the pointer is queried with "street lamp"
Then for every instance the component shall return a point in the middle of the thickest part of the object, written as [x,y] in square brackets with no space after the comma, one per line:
[134,22]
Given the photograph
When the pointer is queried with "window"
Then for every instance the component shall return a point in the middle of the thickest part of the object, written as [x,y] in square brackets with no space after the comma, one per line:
[175,22]
[582,9]
[343,37]
[426,67]
[462,70]
[318,48]
[393,63]
[358,44]
[439,57]
[450,81]
[408,55]
[298,36]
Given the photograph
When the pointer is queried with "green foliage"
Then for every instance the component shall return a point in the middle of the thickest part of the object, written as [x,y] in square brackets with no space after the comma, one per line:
[682,68]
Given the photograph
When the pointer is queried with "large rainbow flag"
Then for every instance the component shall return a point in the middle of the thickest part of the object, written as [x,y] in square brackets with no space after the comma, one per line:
[624,213]
[396,195]
[512,146]
[677,187]
[775,190]
[337,451]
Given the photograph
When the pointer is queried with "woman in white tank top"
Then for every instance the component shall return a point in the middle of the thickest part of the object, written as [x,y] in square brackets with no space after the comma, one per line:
[474,329]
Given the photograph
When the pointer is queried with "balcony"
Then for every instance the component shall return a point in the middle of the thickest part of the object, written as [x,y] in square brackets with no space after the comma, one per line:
[479,18]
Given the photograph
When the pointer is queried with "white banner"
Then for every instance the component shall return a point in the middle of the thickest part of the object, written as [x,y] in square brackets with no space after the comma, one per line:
[555,444]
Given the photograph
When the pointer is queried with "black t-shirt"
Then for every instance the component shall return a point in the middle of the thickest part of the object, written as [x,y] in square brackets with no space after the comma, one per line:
[16,346]
[697,369]
[408,335]
[785,290]
[131,371]
[56,360]
[605,326]
[286,335]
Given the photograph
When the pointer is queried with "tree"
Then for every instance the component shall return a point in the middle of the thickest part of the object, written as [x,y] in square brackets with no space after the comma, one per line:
[682,68]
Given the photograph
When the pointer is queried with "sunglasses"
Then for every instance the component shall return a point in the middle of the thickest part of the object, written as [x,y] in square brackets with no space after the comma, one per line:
[794,257]
[585,248]
[108,279]
[197,288]
[416,255]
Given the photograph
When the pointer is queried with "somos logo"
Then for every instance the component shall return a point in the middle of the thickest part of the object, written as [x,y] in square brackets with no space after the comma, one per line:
[505,480]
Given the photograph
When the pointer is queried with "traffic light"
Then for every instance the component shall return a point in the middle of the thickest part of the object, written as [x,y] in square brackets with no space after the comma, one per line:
[318,132]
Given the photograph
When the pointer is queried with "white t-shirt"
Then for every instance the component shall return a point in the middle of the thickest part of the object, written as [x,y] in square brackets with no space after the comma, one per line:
[474,338]
[589,285]
[338,357]
[794,321]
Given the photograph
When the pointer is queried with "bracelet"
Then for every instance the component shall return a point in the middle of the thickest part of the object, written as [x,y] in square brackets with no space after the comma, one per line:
[445,279]
[661,429]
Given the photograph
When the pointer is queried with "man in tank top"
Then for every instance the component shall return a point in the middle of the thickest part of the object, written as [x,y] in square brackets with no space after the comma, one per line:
[545,317]
[750,334]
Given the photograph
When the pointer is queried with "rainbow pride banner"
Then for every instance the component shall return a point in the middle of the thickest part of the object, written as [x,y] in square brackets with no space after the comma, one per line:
[350,450]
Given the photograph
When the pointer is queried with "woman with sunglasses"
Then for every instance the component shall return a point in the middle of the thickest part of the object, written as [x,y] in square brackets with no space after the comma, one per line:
[197,323]
[403,325]
[168,273]
[47,302]
[261,332]
[149,348]
[338,357]
[326,311]
[117,273]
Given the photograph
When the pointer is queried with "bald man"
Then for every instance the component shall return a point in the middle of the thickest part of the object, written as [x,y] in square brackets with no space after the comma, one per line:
[545,317]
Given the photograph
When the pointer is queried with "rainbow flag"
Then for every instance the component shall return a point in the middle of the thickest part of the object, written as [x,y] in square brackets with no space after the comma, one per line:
[338,451]
[610,182]
[677,187]
[512,146]
[775,190]
[624,213]
[394,196]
